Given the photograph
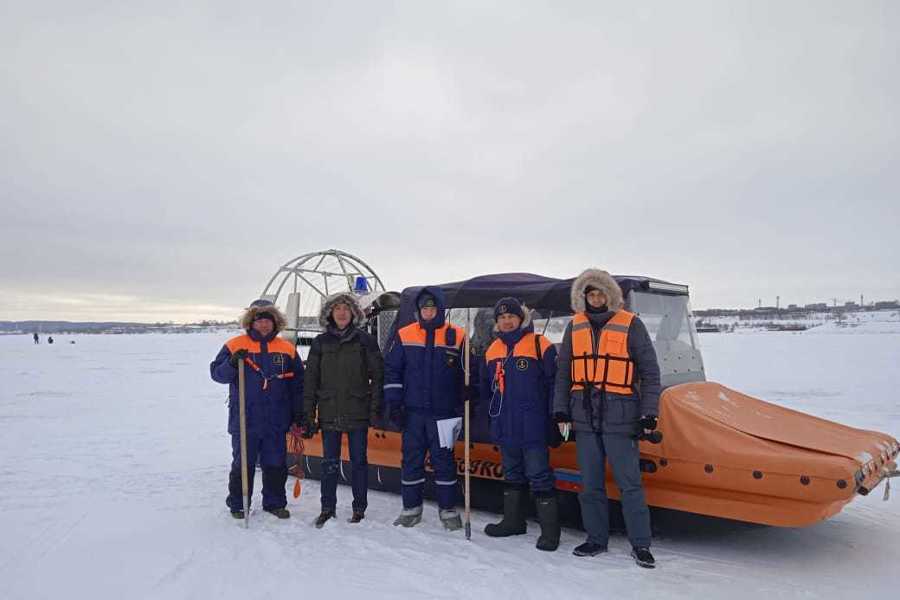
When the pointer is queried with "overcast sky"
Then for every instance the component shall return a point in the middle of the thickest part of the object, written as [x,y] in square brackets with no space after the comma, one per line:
[160,163]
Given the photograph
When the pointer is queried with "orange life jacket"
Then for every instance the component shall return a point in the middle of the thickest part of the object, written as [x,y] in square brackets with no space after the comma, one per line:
[611,367]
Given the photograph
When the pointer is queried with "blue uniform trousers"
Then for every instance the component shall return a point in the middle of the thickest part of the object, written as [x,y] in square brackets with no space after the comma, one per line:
[528,465]
[270,451]
[420,435]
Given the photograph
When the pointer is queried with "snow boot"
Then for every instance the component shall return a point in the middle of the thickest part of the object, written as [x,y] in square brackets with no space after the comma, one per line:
[323,518]
[548,516]
[643,557]
[409,516]
[237,514]
[513,522]
[451,519]
[358,516]
[281,513]
[589,549]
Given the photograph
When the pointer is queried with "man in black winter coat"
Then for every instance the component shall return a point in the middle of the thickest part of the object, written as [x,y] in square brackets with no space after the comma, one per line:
[342,394]
[607,390]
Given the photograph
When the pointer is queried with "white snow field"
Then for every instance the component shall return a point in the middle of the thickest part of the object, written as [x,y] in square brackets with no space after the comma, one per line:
[113,463]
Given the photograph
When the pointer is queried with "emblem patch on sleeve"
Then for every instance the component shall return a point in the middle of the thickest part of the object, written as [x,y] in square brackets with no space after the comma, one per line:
[522,364]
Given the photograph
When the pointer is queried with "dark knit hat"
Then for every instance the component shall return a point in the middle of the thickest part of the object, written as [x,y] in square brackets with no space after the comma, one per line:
[509,305]
[426,300]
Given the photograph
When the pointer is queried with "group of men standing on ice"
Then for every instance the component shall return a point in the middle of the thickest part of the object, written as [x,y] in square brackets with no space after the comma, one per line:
[602,384]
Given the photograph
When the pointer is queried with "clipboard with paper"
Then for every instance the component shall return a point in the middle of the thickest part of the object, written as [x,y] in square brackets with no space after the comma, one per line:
[448,431]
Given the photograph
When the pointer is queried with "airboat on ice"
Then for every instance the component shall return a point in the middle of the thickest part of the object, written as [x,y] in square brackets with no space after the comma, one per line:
[722,453]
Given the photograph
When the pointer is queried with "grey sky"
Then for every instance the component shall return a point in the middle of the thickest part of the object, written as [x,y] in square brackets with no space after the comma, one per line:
[160,163]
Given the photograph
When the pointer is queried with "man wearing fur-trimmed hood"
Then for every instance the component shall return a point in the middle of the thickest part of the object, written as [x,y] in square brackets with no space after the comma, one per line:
[607,390]
[274,399]
[517,387]
[344,382]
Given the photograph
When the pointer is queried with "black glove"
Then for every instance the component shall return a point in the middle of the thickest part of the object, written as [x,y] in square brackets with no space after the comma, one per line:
[554,437]
[308,428]
[397,416]
[560,417]
[648,422]
[237,356]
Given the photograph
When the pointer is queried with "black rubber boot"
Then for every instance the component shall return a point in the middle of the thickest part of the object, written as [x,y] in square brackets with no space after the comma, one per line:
[548,516]
[235,500]
[513,522]
[274,480]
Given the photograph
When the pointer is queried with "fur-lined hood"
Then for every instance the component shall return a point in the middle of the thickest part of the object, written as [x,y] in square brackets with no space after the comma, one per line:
[601,280]
[250,314]
[342,298]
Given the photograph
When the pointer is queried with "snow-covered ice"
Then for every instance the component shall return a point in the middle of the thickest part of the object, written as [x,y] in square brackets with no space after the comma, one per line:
[113,463]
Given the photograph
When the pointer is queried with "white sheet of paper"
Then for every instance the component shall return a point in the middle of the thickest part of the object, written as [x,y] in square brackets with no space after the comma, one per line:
[448,431]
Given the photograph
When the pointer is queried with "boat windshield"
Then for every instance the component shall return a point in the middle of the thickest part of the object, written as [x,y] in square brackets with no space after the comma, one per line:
[667,317]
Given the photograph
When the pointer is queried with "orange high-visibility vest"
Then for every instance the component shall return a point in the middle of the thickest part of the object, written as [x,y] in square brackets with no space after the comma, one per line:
[611,367]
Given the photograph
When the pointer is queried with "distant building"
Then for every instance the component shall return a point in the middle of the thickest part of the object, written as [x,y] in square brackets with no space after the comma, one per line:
[816,306]
[887,304]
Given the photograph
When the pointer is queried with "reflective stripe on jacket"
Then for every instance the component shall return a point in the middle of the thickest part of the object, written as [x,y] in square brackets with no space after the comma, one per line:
[423,369]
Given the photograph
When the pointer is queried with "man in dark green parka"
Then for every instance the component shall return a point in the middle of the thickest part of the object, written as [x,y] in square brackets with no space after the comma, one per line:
[343,387]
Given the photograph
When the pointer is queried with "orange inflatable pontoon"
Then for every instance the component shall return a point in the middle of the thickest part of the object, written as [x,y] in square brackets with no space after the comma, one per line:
[722,453]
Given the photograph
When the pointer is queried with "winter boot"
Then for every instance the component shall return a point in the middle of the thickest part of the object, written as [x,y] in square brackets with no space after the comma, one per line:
[589,549]
[643,557]
[409,516]
[323,518]
[513,522]
[237,514]
[281,513]
[358,516]
[548,516]
[451,519]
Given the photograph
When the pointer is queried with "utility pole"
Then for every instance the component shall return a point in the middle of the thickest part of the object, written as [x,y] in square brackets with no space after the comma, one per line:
[777,302]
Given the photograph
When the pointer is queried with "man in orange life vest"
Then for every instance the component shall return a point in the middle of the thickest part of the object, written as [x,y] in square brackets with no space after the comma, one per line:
[517,386]
[274,399]
[607,388]
[424,384]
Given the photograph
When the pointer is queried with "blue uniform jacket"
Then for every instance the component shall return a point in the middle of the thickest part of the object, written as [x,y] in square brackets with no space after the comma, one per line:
[273,387]
[520,413]
[423,368]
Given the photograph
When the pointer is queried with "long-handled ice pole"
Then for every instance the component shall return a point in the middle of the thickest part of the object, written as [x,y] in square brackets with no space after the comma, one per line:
[242,418]
[466,437]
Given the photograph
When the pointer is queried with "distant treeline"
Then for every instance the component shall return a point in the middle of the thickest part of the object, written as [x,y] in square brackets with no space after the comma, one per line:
[793,311]
[58,327]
